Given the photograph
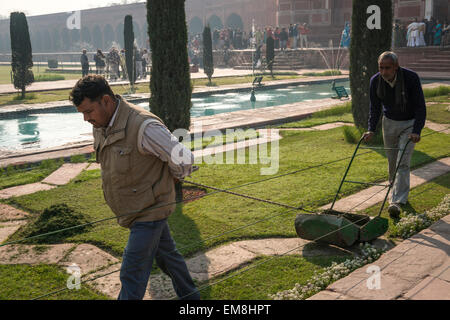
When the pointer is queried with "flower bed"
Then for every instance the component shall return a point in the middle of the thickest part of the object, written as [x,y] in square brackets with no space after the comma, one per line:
[407,226]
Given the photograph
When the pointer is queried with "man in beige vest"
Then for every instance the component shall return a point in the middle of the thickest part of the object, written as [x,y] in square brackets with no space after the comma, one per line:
[134,149]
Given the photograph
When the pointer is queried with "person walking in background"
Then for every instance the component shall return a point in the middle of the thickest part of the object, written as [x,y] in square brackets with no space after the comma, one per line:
[99,59]
[445,35]
[295,36]
[114,61]
[283,39]
[291,35]
[429,33]
[276,38]
[123,64]
[345,38]
[304,30]
[145,62]
[421,37]
[412,33]
[84,60]
[396,93]
[437,33]
[138,61]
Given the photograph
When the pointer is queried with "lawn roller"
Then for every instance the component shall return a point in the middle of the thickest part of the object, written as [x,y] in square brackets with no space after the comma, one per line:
[341,228]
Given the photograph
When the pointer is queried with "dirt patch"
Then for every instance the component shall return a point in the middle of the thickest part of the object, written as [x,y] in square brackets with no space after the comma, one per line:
[8,213]
[192,193]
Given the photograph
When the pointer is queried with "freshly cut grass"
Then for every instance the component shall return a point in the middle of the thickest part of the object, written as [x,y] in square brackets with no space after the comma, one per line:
[283,272]
[439,113]
[12,176]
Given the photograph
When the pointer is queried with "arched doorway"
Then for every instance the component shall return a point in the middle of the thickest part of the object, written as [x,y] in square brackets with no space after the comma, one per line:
[234,21]
[215,22]
[195,26]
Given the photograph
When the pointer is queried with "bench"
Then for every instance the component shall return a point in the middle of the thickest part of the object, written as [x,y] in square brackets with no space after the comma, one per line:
[341,93]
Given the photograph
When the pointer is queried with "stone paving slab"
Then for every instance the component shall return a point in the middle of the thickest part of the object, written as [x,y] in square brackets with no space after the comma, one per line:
[430,289]
[88,258]
[8,228]
[445,128]
[109,284]
[160,288]
[65,173]
[94,166]
[356,202]
[24,254]
[294,246]
[415,269]
[217,261]
[24,189]
[10,213]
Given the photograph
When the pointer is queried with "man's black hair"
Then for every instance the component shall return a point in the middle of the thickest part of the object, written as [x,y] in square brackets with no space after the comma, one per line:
[92,86]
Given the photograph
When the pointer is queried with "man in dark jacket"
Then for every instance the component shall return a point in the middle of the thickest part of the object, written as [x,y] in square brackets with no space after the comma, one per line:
[84,63]
[397,92]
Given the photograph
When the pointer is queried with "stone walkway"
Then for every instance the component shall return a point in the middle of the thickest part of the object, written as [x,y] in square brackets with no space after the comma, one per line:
[363,200]
[93,262]
[416,269]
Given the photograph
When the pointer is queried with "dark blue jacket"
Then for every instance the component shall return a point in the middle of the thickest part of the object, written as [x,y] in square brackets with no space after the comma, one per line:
[415,107]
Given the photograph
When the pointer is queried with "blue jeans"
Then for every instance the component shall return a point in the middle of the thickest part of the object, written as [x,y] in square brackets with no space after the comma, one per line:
[148,241]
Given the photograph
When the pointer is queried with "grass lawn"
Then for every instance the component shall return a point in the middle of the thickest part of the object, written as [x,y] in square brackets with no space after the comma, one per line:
[193,223]
[15,176]
[25,282]
[439,113]
[5,77]
[341,113]
[282,272]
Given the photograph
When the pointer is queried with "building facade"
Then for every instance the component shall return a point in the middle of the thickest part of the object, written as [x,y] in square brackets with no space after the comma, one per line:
[103,27]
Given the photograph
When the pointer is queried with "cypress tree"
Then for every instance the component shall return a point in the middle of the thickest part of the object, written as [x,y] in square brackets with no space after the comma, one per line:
[208,63]
[170,85]
[21,54]
[270,54]
[128,36]
[365,47]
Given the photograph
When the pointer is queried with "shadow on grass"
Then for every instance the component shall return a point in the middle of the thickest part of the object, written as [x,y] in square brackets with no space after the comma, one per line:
[187,237]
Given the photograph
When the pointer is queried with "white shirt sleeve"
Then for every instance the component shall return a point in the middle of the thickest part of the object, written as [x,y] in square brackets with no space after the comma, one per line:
[158,141]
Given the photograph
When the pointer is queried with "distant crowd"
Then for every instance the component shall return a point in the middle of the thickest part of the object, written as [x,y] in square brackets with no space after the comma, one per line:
[423,33]
[227,38]
[292,37]
[113,65]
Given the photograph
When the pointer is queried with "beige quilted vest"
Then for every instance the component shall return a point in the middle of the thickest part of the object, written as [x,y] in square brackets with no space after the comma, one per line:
[135,185]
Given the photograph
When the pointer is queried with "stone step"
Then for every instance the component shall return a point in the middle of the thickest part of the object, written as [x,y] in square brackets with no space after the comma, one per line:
[429,69]
[434,62]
